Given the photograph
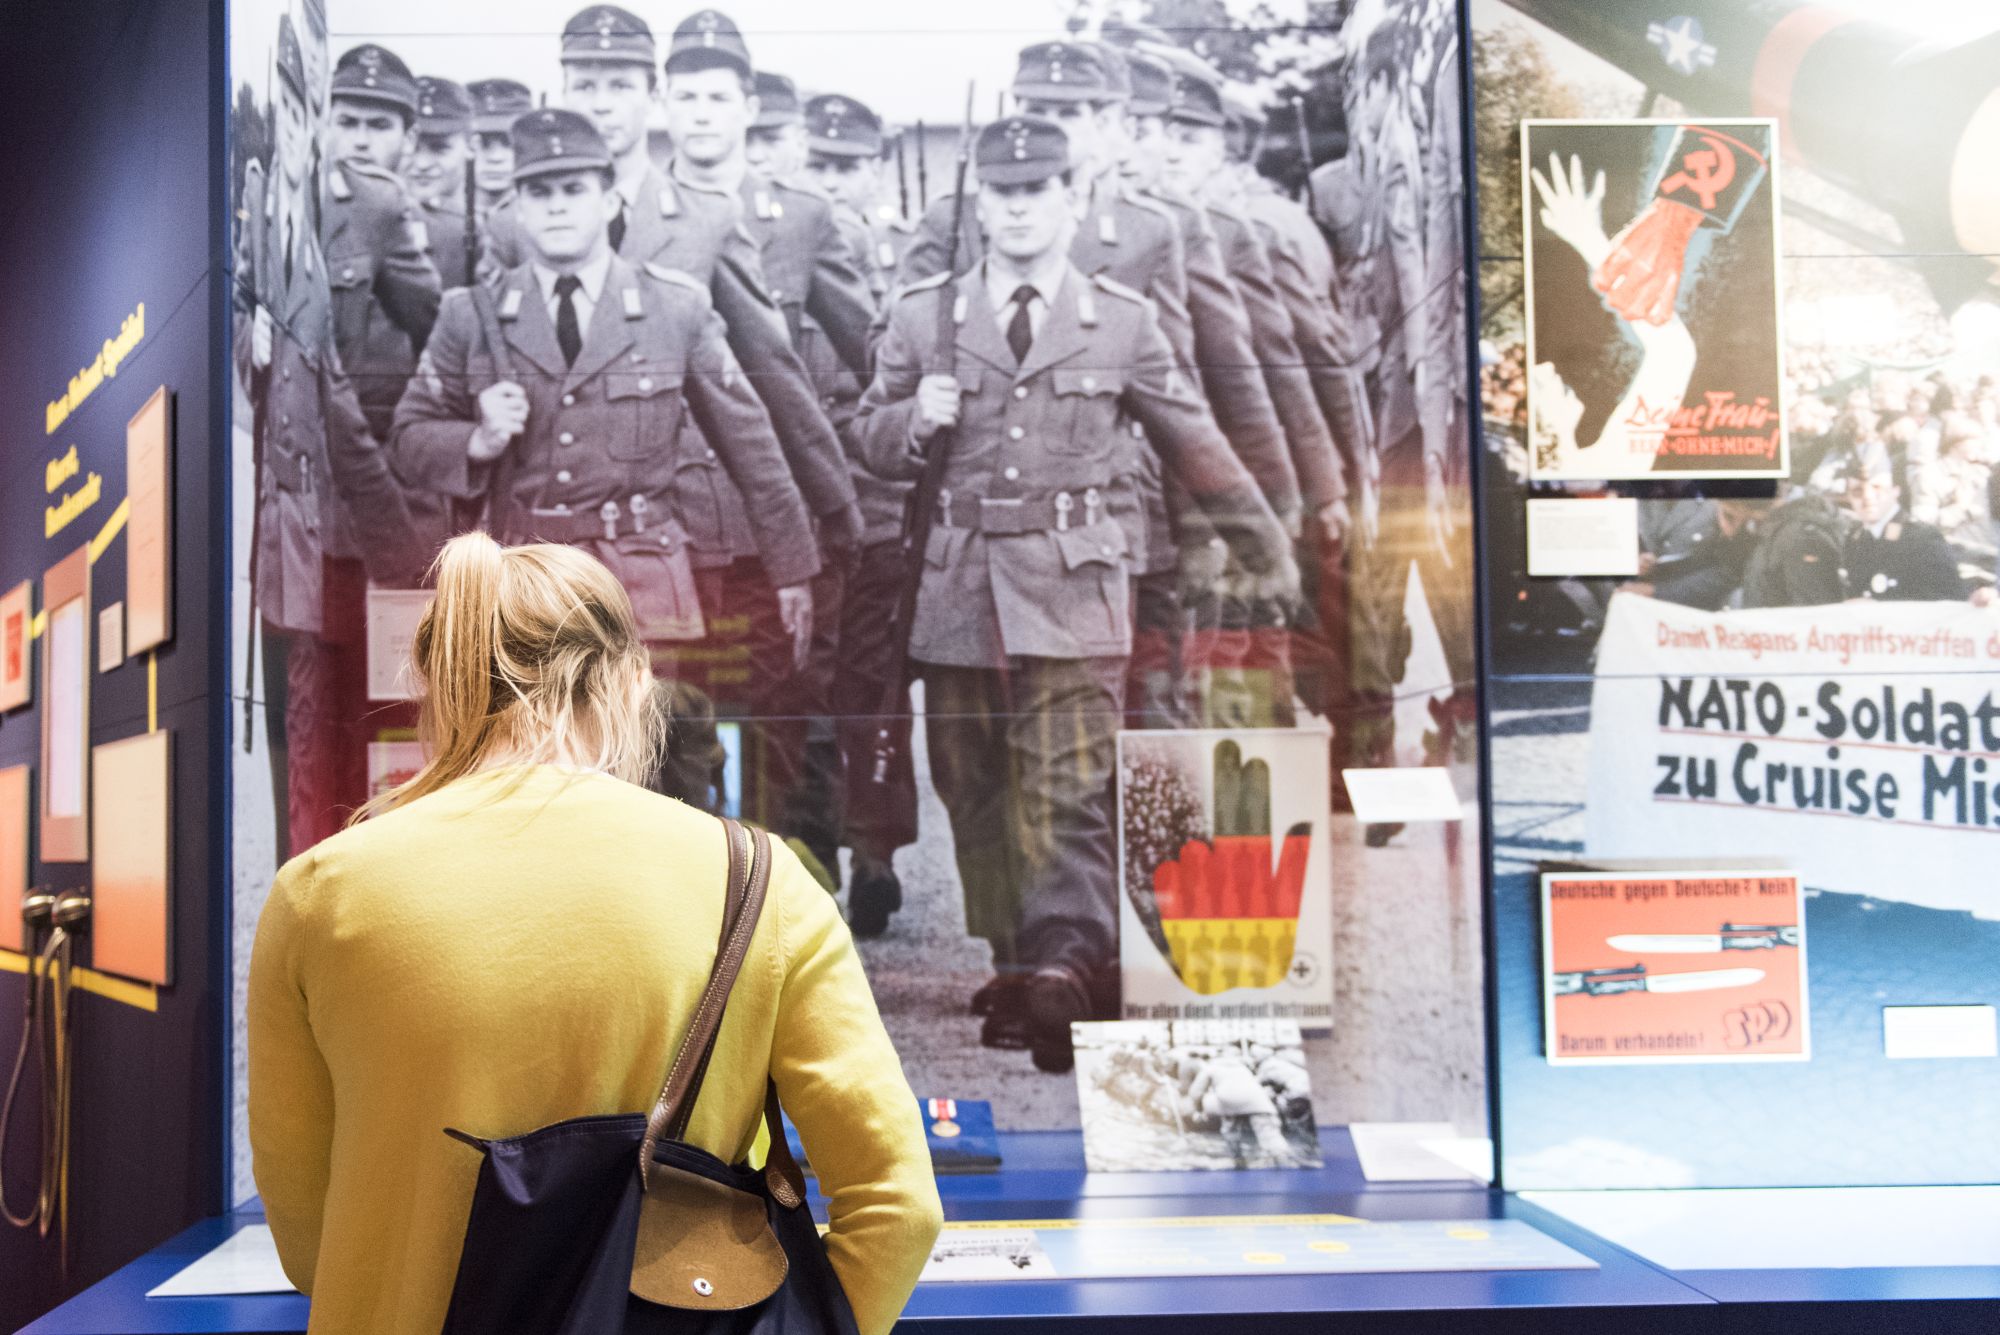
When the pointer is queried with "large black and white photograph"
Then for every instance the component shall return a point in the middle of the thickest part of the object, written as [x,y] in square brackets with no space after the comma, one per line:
[1172,1095]
[949,395]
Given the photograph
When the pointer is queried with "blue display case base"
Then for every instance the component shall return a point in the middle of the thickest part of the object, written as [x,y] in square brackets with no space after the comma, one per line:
[1044,1178]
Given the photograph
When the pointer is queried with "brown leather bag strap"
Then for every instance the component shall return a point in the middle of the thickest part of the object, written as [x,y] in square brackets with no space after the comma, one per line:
[749,877]
[782,1175]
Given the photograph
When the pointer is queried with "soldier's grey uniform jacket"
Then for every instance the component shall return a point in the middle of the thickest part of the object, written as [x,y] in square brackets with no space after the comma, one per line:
[1025,559]
[600,451]
[317,448]
[697,231]
[385,287]
[809,266]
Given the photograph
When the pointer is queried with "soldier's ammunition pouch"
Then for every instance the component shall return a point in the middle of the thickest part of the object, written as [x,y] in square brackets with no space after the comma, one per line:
[287,470]
[651,562]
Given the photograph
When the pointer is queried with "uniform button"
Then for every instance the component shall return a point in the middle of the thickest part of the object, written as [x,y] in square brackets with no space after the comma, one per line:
[645,384]
[1016,433]
[567,438]
[1012,474]
[569,400]
[562,475]
[1020,391]
[711,454]
[1105,548]
[284,419]
[347,275]
[1089,383]
[285,374]
[777,295]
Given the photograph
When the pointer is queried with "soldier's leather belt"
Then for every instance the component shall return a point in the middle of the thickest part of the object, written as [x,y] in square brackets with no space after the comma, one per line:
[1037,512]
[579,525]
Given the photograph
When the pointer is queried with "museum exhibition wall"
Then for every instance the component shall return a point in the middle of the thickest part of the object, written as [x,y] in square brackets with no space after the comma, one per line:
[110,235]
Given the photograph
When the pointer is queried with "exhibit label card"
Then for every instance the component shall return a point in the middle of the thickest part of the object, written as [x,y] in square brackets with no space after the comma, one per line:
[1188,1094]
[1402,795]
[1224,858]
[392,618]
[149,478]
[1704,966]
[1581,537]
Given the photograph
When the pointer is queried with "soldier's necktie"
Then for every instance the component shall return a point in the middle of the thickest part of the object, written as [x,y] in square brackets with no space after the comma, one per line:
[568,336]
[1020,330]
[618,223]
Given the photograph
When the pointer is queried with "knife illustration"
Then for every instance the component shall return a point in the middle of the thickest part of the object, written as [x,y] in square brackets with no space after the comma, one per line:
[1634,978]
[1733,936]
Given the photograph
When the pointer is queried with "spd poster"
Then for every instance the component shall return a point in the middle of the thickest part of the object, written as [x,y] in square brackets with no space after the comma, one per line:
[1636,235]
[1701,966]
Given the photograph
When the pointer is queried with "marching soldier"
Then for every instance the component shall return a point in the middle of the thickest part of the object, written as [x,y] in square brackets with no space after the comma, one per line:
[435,173]
[385,287]
[757,628]
[1234,385]
[844,153]
[844,148]
[556,395]
[775,147]
[1195,154]
[710,108]
[496,105]
[1023,621]
[1405,513]
[314,459]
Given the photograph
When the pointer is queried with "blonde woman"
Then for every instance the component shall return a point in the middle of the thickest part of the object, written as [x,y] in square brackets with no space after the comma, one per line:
[519,935]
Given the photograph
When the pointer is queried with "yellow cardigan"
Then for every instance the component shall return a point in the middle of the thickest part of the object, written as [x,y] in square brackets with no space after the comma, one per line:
[525,946]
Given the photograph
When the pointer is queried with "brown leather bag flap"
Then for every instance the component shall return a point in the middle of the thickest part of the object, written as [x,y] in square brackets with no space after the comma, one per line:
[704,1246]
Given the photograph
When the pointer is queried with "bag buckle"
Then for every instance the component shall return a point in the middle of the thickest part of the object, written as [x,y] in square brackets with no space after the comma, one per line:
[609,513]
[1092,503]
[1064,504]
[640,505]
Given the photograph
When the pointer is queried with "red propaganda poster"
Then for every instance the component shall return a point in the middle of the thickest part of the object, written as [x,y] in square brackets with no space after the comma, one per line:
[1651,252]
[1673,967]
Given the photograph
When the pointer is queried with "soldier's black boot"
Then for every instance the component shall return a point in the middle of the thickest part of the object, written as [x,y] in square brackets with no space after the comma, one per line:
[1003,1003]
[873,894]
[1058,996]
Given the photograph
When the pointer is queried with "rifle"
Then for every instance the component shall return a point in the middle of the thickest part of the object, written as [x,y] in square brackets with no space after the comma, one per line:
[902,177]
[923,173]
[471,220]
[920,512]
[259,390]
[1305,152]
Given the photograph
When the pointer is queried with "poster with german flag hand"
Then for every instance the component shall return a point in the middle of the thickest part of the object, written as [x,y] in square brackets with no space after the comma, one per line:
[1227,904]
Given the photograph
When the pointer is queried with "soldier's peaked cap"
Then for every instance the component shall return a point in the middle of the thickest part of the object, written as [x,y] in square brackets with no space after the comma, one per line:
[1152,84]
[841,127]
[497,103]
[1064,72]
[371,73]
[708,39]
[555,139]
[1195,96]
[777,101]
[1021,150]
[291,60]
[443,107]
[608,35]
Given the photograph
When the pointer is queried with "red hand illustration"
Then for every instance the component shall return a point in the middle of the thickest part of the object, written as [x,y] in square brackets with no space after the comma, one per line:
[1641,277]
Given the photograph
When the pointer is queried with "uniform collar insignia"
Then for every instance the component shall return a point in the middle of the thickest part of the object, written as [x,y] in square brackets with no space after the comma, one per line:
[337,186]
[631,298]
[1107,229]
[510,305]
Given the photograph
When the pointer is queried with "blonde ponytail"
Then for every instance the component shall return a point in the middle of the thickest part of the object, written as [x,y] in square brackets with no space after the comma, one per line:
[526,654]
